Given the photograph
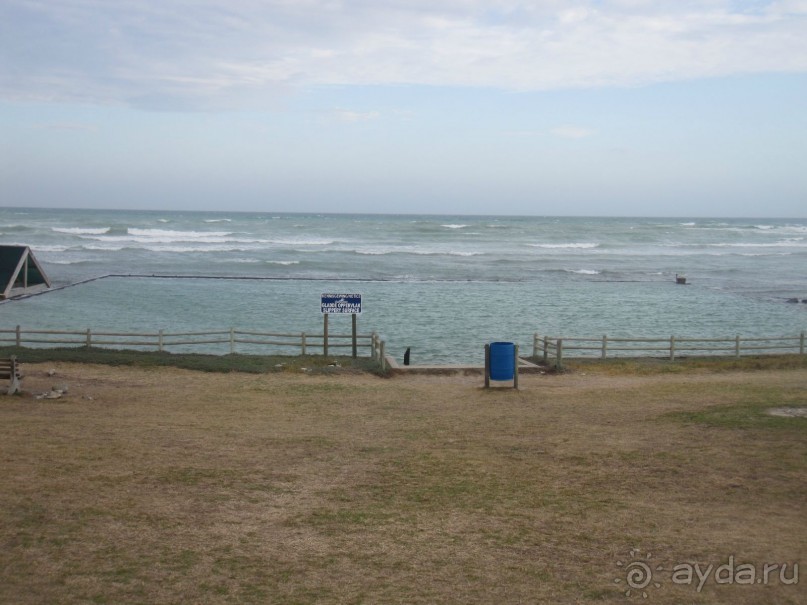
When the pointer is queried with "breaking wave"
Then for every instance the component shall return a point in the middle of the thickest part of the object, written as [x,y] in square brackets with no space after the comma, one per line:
[570,246]
[81,230]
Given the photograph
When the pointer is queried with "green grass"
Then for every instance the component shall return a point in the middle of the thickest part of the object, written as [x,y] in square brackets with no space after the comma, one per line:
[319,364]
[745,416]
[252,364]
[646,366]
[751,409]
[175,487]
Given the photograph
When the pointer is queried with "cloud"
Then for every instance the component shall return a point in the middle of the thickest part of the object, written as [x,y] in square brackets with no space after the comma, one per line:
[345,115]
[571,132]
[209,54]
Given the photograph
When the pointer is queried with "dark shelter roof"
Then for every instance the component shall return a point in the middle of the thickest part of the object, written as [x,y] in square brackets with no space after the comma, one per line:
[20,273]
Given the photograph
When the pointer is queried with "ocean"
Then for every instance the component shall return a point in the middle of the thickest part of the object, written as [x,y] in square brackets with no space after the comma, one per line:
[441,285]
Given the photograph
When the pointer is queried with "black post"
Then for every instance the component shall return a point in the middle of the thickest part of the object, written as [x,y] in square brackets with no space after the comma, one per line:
[487,366]
[325,335]
[355,347]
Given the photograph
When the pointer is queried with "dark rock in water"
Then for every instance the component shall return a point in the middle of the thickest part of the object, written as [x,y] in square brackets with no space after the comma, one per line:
[792,300]
[804,301]
[406,356]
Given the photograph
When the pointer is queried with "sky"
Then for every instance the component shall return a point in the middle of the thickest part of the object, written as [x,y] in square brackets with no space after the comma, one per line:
[579,107]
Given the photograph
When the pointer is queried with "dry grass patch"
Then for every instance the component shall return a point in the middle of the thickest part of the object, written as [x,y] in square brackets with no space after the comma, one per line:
[177,486]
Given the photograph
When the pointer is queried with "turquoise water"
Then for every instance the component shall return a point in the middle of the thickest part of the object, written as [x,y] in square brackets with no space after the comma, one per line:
[441,285]
[439,321]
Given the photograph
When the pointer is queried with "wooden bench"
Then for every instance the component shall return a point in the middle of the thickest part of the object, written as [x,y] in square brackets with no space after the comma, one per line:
[10,370]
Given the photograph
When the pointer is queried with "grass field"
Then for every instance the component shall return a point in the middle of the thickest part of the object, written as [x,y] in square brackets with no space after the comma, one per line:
[149,484]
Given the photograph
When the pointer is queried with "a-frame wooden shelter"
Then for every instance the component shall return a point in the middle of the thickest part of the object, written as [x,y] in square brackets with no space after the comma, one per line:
[20,272]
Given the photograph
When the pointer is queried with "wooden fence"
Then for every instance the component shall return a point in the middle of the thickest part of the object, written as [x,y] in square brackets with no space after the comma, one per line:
[306,344]
[552,348]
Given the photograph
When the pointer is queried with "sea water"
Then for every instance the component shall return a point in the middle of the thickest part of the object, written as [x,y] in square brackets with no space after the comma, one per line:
[442,285]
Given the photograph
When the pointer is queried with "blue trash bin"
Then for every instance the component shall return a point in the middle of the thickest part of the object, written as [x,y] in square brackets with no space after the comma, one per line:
[502,360]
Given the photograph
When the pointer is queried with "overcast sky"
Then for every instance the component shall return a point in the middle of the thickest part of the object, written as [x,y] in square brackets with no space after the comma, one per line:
[609,107]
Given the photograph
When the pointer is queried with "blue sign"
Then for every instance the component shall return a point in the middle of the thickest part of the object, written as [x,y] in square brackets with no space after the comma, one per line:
[340,303]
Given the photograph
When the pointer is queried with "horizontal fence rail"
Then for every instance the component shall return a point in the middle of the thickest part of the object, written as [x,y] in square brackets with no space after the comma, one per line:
[554,348]
[161,340]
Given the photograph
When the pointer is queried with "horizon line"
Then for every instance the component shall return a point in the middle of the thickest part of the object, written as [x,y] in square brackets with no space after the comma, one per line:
[405,214]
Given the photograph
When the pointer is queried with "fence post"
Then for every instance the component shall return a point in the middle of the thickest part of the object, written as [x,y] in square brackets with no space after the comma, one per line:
[232,341]
[382,356]
[89,338]
[604,346]
[737,346]
[487,365]
[559,347]
[302,342]
[160,341]
[373,345]
[515,368]
[354,343]
[672,348]
[801,343]
[325,334]
[546,349]
[19,339]
[535,345]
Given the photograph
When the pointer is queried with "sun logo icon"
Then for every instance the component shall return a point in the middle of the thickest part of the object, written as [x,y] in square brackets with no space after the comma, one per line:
[638,573]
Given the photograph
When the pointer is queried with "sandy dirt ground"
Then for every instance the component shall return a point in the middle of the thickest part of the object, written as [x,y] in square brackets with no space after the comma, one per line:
[174,486]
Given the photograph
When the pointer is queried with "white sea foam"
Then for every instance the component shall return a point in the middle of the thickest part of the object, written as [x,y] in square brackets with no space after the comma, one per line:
[793,229]
[39,248]
[454,226]
[254,261]
[166,236]
[583,271]
[177,235]
[301,241]
[446,253]
[761,230]
[195,248]
[145,241]
[80,230]
[787,243]
[67,262]
[571,246]
[219,220]
[379,251]
[382,250]
[104,248]
[765,254]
